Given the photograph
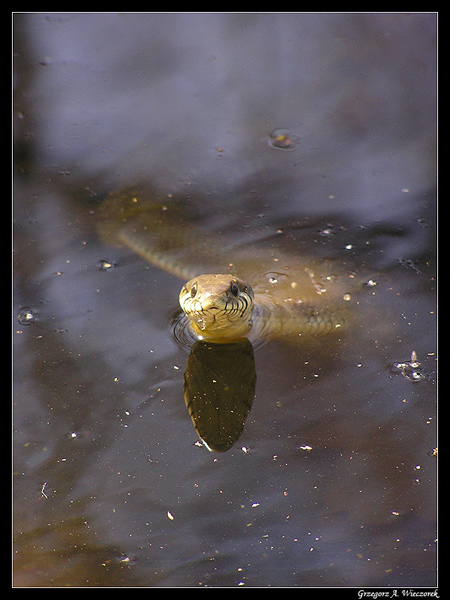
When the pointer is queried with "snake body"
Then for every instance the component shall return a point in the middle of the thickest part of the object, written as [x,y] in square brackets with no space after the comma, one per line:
[232,292]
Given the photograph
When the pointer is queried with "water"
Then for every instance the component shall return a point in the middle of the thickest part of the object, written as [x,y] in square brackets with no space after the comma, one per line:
[333,480]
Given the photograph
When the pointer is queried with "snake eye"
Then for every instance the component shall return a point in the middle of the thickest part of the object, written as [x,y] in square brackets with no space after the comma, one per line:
[194,290]
[234,289]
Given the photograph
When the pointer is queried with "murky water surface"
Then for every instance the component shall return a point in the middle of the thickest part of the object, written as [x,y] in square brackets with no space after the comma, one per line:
[333,480]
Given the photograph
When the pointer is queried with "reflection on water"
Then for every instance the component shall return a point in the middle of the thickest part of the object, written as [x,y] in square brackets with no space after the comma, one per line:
[333,479]
[219,385]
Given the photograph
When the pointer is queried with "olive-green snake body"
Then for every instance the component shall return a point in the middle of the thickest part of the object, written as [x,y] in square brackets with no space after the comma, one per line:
[232,292]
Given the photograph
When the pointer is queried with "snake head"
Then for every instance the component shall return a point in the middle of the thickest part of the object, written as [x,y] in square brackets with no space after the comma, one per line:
[220,307]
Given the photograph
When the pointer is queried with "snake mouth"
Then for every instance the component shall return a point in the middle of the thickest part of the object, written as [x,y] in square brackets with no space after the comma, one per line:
[218,306]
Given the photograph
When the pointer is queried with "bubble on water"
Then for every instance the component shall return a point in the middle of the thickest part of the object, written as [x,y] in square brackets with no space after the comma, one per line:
[26,316]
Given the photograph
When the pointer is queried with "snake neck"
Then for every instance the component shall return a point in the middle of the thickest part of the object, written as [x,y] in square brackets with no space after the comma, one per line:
[270,320]
[294,319]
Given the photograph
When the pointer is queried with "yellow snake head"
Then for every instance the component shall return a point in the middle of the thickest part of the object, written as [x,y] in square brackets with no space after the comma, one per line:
[219,307]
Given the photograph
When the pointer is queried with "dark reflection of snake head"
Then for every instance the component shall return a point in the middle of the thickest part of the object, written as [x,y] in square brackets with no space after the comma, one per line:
[219,386]
[220,307]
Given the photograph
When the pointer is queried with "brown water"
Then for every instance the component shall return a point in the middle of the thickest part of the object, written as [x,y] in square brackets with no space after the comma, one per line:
[333,480]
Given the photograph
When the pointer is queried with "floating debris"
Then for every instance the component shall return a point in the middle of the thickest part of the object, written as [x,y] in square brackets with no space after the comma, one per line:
[411,369]
[26,316]
[327,231]
[105,265]
[43,494]
[125,560]
[283,139]
[409,264]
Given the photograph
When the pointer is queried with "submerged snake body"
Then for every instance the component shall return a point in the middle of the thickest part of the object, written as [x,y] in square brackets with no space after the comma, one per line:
[231,292]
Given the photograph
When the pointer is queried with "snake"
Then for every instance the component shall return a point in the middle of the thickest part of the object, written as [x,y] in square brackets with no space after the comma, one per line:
[231,290]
